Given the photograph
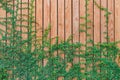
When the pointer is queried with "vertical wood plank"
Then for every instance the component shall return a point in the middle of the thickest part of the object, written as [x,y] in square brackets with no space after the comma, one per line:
[3,28]
[61,20]
[90,31]
[18,17]
[103,27]
[18,28]
[24,17]
[2,20]
[111,23]
[61,26]
[82,14]
[54,22]
[9,25]
[76,25]
[90,24]
[82,34]
[117,26]
[68,19]
[103,23]
[34,28]
[24,21]
[117,21]
[39,20]
[53,19]
[46,13]
[46,20]
[97,23]
[39,24]
[68,24]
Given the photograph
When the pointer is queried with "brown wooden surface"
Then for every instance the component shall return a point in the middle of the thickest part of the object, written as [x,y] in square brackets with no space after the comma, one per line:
[24,17]
[117,20]
[111,24]
[103,19]
[2,14]
[64,17]
[46,20]
[76,25]
[39,18]
[61,26]
[97,25]
[82,34]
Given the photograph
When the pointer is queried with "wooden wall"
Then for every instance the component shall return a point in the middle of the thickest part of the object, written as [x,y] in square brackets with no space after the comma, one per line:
[64,17]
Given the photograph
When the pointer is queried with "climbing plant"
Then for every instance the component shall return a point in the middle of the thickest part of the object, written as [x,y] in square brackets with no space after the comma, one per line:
[23,57]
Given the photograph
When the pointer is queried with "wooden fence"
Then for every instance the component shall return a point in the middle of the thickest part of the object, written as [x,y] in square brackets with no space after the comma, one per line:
[64,17]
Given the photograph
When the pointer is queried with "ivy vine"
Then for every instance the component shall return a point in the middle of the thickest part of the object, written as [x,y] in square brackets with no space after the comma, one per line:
[22,58]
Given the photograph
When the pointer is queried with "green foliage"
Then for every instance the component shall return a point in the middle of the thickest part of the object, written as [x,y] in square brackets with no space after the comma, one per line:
[3,74]
[24,58]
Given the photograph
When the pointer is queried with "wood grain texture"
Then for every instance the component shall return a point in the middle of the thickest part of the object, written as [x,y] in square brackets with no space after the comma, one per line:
[76,26]
[117,20]
[82,14]
[39,19]
[24,17]
[53,19]
[54,22]
[68,26]
[111,23]
[82,34]
[39,23]
[9,25]
[61,26]
[68,18]
[97,23]
[90,24]
[90,31]
[61,16]
[2,15]
[61,22]
[47,13]
[103,21]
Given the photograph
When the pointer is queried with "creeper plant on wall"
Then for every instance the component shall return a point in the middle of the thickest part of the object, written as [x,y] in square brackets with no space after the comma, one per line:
[22,58]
